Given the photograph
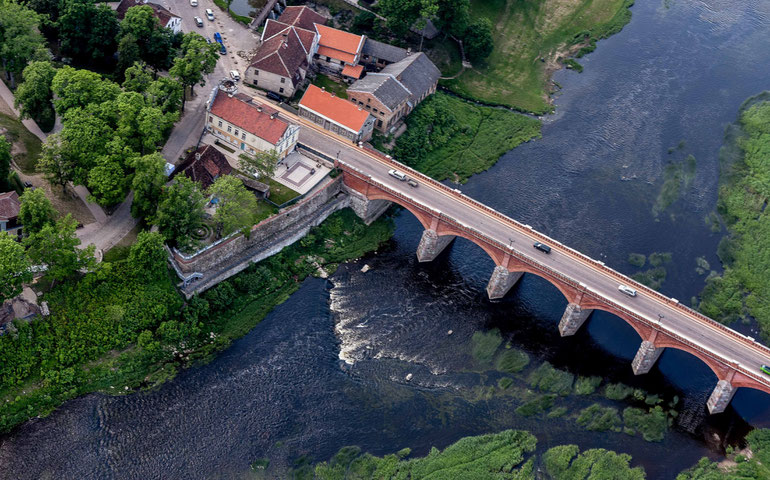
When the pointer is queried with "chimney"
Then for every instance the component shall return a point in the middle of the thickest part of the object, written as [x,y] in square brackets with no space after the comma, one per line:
[259,108]
[272,116]
[360,108]
[197,156]
[333,95]
[409,51]
[323,89]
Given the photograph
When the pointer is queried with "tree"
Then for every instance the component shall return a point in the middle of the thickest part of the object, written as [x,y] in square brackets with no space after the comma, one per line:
[54,164]
[20,38]
[87,31]
[5,161]
[36,211]
[152,126]
[236,207]
[149,178]
[128,52]
[14,267]
[453,16]
[84,138]
[478,41]
[148,257]
[80,88]
[108,180]
[261,164]
[165,94]
[34,96]
[137,78]
[400,14]
[198,58]
[180,210]
[55,246]
[139,21]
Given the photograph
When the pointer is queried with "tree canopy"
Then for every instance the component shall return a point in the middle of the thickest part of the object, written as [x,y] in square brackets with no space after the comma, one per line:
[34,97]
[180,211]
[20,38]
[197,58]
[14,267]
[149,178]
[260,164]
[36,211]
[55,245]
[236,208]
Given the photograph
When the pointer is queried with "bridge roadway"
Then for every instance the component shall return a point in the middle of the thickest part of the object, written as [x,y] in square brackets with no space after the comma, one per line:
[724,346]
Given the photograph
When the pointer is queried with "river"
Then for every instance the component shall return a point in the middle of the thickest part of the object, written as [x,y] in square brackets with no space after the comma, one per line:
[327,368]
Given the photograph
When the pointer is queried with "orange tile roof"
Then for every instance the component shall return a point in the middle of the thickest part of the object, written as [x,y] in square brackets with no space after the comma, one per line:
[246,115]
[352,71]
[339,41]
[334,108]
[330,52]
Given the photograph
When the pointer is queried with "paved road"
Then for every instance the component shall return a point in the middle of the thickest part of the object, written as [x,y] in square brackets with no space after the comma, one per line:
[690,327]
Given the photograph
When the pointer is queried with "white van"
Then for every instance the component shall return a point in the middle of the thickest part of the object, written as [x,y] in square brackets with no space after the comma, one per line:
[627,290]
[396,174]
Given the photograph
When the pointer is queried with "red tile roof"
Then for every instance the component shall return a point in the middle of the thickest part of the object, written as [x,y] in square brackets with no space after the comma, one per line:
[301,16]
[243,112]
[282,55]
[352,71]
[338,44]
[9,206]
[334,108]
[205,169]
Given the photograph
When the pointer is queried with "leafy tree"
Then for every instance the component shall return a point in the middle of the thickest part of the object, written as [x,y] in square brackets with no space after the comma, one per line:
[84,135]
[401,14]
[128,52]
[5,160]
[237,206]
[36,211]
[57,166]
[87,31]
[34,96]
[149,178]
[453,16]
[180,210]
[261,164]
[197,59]
[478,41]
[108,180]
[14,267]
[148,257]
[139,21]
[152,126]
[20,38]
[364,22]
[154,42]
[80,88]
[55,245]
[165,94]
[137,78]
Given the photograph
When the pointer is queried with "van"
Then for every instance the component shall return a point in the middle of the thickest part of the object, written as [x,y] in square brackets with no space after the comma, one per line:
[396,174]
[627,290]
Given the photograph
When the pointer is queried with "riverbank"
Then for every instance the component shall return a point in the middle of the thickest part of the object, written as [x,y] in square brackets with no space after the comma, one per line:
[114,331]
[530,40]
[741,292]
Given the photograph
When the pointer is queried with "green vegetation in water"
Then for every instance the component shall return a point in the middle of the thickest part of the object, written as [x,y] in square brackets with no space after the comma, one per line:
[652,424]
[677,178]
[123,327]
[587,385]
[484,345]
[755,466]
[712,220]
[742,291]
[450,138]
[512,361]
[551,380]
[504,383]
[539,404]
[526,32]
[659,259]
[653,278]
[617,391]
[573,64]
[637,259]
[598,418]
[557,412]
[702,265]
[566,462]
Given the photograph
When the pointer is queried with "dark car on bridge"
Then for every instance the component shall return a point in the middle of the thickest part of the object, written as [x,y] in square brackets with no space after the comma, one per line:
[542,247]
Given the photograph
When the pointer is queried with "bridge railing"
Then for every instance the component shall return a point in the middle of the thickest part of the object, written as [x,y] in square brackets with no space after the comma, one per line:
[566,249]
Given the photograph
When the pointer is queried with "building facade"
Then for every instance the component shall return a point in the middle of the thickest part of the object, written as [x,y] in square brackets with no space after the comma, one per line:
[10,205]
[336,114]
[337,50]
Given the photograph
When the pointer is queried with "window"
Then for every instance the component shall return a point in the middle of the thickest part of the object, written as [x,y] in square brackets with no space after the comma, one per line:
[328,59]
[220,124]
[379,123]
[382,114]
[368,100]
[368,107]
[283,79]
[255,82]
[375,110]
[280,90]
[360,103]
[256,72]
[236,132]
[211,119]
[229,129]
[243,136]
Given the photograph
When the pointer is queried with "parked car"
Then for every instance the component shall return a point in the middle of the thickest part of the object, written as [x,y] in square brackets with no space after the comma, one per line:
[210,14]
[765,369]
[396,174]
[217,37]
[542,247]
[222,50]
[274,96]
[208,40]
[627,290]
[199,21]
[193,3]
[412,182]
[235,75]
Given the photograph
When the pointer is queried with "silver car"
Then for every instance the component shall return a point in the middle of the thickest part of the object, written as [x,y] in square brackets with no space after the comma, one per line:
[627,290]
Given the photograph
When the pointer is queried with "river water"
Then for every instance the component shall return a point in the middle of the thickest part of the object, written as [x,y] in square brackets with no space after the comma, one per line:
[327,368]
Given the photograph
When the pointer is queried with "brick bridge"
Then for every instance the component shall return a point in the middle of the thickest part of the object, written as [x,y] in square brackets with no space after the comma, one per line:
[587,284]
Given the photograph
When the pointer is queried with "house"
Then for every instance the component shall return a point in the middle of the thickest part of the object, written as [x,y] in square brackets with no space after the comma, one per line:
[205,165]
[248,125]
[377,55]
[165,17]
[286,51]
[338,51]
[9,213]
[336,114]
[393,92]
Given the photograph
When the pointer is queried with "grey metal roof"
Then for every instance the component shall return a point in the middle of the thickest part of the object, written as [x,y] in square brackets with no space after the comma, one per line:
[416,72]
[385,87]
[383,51]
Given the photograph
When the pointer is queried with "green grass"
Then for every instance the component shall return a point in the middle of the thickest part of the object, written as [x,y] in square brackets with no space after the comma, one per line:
[449,138]
[17,132]
[525,32]
[264,210]
[240,18]
[279,193]
[337,88]
[551,380]
[599,418]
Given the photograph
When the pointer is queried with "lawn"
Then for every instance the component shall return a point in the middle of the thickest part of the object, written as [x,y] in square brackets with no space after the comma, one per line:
[322,81]
[279,193]
[526,32]
[16,132]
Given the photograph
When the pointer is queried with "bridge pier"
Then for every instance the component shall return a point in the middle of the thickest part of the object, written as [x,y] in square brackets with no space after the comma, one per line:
[501,281]
[431,244]
[573,319]
[720,397]
[367,210]
[645,357]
